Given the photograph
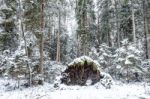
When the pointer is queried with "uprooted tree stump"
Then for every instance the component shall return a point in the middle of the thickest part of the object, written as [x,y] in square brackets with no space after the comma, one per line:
[81,70]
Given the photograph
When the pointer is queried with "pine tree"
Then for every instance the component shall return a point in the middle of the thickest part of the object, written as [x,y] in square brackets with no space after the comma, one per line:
[105,24]
[85,15]
[8,36]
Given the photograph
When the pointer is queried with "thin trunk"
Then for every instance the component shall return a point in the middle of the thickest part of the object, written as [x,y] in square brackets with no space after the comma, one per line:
[25,42]
[49,33]
[82,14]
[99,34]
[50,29]
[108,27]
[58,40]
[21,26]
[26,51]
[78,47]
[58,48]
[145,10]
[85,27]
[42,38]
[117,25]
[133,24]
[98,31]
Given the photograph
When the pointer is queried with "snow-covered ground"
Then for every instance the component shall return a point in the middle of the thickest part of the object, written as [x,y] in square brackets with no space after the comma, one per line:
[118,91]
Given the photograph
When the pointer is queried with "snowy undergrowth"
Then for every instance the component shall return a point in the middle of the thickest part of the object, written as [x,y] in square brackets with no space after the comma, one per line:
[47,91]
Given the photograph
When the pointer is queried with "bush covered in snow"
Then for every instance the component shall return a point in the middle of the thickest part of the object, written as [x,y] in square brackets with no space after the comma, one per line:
[106,80]
[103,54]
[124,63]
[127,62]
[19,67]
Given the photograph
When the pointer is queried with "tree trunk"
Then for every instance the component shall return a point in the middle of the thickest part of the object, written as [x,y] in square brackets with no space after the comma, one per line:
[58,39]
[108,27]
[98,31]
[133,23]
[145,11]
[25,42]
[117,25]
[42,38]
[50,29]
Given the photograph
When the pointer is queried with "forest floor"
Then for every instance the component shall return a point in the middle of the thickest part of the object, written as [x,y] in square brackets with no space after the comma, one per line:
[47,91]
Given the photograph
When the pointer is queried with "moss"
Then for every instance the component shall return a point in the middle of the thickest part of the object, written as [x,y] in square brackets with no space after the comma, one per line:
[89,62]
[81,63]
[94,67]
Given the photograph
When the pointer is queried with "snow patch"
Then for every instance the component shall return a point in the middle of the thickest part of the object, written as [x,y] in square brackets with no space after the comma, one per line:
[82,59]
[47,91]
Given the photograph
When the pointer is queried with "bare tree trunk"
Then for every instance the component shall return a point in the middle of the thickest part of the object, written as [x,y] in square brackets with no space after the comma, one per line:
[58,40]
[98,31]
[58,48]
[42,38]
[78,47]
[84,24]
[50,29]
[117,25]
[145,10]
[25,42]
[108,30]
[133,23]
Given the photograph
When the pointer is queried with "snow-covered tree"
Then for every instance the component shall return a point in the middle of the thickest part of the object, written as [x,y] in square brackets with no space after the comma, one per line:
[8,32]
[127,62]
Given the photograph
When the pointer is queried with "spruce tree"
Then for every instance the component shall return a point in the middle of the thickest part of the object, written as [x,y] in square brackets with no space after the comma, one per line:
[85,15]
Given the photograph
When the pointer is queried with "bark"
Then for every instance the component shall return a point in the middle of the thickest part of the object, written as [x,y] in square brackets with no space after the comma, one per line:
[58,39]
[42,38]
[50,30]
[108,30]
[133,24]
[117,24]
[145,11]
[98,31]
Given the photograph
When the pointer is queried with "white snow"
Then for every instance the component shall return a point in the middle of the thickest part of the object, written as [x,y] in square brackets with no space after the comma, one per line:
[125,41]
[118,67]
[82,59]
[121,59]
[118,91]
[4,7]
[127,62]
[88,82]
[107,80]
